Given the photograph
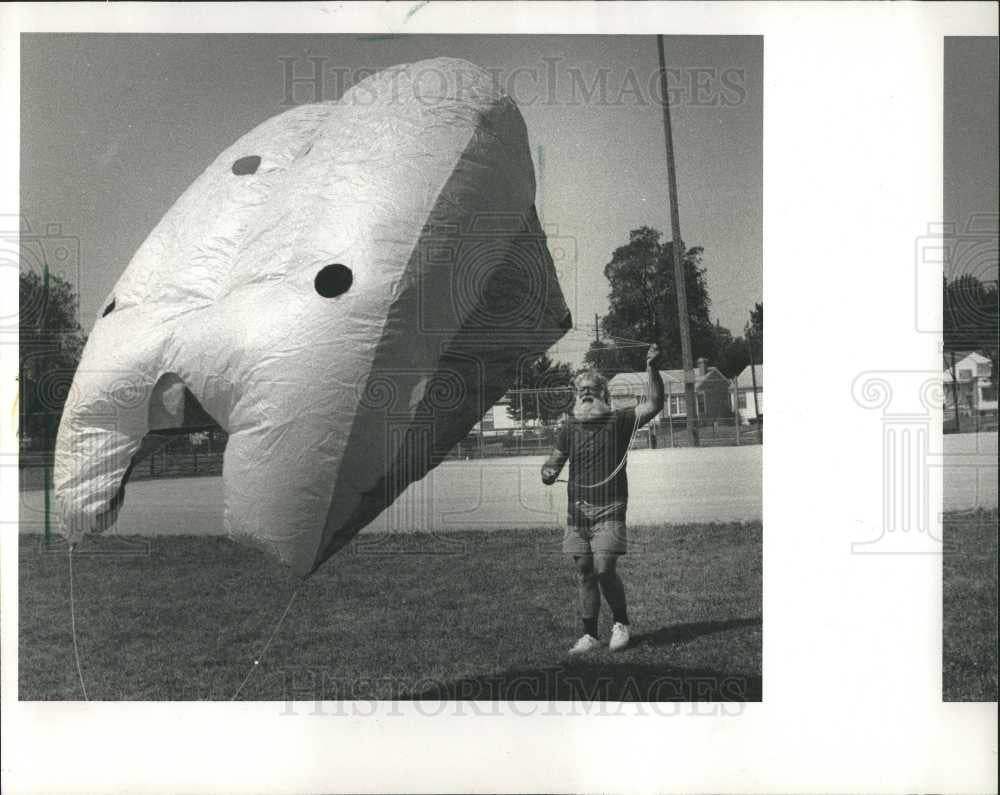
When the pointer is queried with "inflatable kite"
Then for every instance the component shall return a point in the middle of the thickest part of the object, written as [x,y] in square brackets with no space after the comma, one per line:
[345,290]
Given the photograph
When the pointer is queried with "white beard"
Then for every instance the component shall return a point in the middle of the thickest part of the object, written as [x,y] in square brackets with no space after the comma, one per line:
[591,411]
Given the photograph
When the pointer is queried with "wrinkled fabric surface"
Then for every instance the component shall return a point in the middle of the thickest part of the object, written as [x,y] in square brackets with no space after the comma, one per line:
[345,290]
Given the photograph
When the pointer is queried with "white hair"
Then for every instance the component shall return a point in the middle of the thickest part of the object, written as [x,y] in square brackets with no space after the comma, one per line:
[597,378]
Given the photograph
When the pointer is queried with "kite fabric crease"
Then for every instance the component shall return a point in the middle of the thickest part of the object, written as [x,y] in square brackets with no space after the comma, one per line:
[345,291]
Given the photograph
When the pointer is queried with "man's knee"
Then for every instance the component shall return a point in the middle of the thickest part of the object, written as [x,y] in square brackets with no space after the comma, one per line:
[605,565]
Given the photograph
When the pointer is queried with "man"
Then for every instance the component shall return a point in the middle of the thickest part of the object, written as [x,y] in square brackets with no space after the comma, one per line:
[595,440]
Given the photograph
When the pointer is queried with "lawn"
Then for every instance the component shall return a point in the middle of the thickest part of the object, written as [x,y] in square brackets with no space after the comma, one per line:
[970,606]
[462,615]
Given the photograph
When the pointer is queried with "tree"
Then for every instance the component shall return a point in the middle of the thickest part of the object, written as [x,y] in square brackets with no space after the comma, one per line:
[553,382]
[734,352]
[607,358]
[50,346]
[756,329]
[731,354]
[643,305]
[971,317]
[734,357]
[723,337]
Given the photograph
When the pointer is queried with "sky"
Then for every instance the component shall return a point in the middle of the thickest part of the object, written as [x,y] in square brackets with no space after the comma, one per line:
[115,127]
[971,146]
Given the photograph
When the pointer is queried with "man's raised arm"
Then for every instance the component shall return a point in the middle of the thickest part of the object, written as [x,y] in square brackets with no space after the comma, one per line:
[653,403]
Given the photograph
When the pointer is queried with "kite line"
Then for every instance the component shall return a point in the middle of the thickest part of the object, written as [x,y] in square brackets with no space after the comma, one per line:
[635,430]
[76,646]
[635,427]
[72,619]
[259,657]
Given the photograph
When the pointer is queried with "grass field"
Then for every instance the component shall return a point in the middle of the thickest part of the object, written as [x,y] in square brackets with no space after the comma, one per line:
[461,615]
[970,606]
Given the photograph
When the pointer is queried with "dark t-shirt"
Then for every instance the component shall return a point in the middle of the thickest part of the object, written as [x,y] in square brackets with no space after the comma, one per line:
[594,449]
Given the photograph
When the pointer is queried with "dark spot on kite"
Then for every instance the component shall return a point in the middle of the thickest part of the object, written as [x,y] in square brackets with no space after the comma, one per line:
[246,165]
[567,322]
[109,308]
[334,280]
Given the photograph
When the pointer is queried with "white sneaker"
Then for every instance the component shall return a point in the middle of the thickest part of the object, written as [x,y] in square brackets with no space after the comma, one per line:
[585,644]
[620,637]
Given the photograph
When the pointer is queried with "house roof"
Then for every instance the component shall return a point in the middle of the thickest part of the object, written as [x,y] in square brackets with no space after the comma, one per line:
[745,380]
[673,381]
[969,361]
[964,358]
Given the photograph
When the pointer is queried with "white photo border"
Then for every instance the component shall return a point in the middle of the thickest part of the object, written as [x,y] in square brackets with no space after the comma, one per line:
[852,643]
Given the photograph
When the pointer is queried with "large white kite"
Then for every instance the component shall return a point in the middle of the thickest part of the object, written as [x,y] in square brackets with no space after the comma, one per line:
[345,290]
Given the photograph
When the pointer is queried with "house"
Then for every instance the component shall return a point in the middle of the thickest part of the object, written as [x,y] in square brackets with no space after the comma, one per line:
[968,377]
[496,418]
[710,386]
[746,402]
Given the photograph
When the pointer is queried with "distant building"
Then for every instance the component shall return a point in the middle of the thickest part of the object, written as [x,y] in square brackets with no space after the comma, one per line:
[496,417]
[970,380]
[746,403]
[711,390]
[712,396]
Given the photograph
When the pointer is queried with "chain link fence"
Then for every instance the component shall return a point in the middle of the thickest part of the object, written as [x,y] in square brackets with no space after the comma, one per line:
[200,453]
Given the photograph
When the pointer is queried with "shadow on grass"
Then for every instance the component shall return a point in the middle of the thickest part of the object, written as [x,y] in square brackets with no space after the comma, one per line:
[586,681]
[682,633]
[601,678]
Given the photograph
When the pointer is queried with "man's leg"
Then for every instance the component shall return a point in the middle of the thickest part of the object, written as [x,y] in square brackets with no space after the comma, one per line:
[611,585]
[588,592]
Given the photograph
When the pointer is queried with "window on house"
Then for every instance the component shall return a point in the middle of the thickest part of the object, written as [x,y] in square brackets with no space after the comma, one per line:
[983,370]
[678,406]
[700,404]
[988,393]
[743,399]
[964,375]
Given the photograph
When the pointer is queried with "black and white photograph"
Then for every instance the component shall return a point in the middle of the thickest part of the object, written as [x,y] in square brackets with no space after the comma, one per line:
[970,329]
[364,367]
[383,397]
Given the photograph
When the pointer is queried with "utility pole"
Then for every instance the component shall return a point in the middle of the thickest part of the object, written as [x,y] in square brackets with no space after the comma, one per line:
[954,393]
[670,416]
[753,381]
[735,384]
[678,247]
[50,456]
[540,208]
[597,329]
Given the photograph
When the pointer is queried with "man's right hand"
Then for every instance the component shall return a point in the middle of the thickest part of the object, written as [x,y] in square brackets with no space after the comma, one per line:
[549,475]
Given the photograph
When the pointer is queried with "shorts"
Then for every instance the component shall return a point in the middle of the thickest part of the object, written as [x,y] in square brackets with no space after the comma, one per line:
[595,529]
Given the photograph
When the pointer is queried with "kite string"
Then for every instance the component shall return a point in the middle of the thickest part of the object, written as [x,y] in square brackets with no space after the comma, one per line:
[628,343]
[72,618]
[256,662]
[621,342]
[635,430]
[76,647]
